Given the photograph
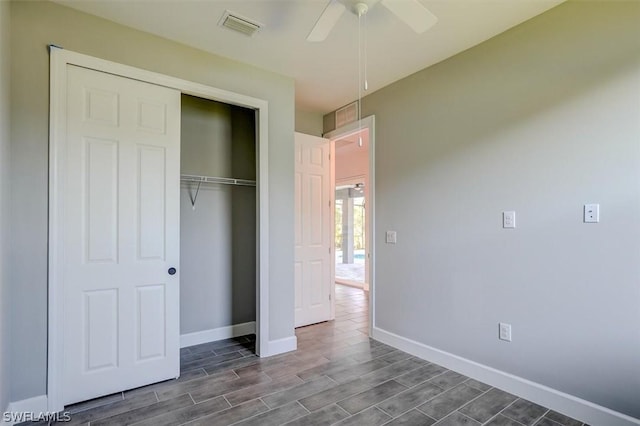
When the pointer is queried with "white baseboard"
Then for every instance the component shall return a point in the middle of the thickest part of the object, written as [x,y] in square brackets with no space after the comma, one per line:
[564,403]
[206,336]
[35,405]
[279,346]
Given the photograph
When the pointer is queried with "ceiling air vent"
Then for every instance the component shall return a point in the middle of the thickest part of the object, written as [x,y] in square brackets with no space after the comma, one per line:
[238,23]
[347,114]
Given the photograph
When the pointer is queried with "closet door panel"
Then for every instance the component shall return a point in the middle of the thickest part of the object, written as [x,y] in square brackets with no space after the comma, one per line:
[150,202]
[100,197]
[120,234]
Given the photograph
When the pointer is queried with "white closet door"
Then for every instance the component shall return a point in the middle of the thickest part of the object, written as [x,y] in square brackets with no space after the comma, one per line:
[121,233]
[313,233]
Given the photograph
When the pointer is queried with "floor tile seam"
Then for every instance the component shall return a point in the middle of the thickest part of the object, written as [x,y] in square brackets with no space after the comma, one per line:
[148,418]
[376,408]
[363,375]
[399,375]
[107,416]
[412,408]
[261,396]
[255,415]
[367,390]
[269,409]
[424,402]
[320,374]
[304,408]
[208,414]
[509,417]
[418,409]
[340,408]
[333,387]
[227,393]
[438,375]
[457,409]
[189,392]
[334,381]
[224,409]
[500,414]
[542,416]
[226,400]
[472,400]
[551,420]
[263,401]
[413,370]
[490,387]
[204,400]
[91,407]
[462,414]
[311,412]
[205,366]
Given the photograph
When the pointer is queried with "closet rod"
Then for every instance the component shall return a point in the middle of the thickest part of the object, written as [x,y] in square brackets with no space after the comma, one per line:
[215,179]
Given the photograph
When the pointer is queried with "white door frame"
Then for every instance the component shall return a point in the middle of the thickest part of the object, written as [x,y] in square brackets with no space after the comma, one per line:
[340,133]
[59,61]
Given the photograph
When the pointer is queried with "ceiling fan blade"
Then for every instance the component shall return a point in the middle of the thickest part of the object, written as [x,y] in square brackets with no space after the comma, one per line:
[327,21]
[413,13]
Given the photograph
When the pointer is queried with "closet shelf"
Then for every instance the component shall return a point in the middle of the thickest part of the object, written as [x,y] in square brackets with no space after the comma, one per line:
[211,179]
[215,179]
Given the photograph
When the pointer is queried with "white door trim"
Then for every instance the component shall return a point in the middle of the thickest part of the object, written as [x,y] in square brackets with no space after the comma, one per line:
[343,132]
[59,60]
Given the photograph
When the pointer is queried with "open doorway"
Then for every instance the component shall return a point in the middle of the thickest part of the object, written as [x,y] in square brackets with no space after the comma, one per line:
[351,209]
[350,234]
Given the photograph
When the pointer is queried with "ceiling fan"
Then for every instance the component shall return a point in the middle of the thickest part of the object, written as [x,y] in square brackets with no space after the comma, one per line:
[411,12]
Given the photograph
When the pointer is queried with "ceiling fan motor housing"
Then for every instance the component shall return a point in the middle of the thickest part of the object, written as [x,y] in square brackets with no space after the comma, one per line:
[360,8]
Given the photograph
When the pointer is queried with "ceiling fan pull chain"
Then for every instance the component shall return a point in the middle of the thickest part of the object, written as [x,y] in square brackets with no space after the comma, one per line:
[359,65]
[366,77]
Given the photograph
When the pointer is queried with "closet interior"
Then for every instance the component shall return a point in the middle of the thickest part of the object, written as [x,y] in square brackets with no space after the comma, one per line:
[217,219]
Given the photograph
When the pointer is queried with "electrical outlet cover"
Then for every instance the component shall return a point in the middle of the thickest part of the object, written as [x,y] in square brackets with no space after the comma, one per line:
[509,219]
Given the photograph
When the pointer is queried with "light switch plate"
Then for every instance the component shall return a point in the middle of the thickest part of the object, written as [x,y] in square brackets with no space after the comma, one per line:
[505,332]
[509,219]
[391,237]
[591,213]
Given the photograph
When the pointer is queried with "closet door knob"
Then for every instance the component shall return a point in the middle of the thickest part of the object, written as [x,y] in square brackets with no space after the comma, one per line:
[172,271]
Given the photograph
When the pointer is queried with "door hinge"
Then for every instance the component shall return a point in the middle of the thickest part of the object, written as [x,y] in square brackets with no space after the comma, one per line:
[329,296]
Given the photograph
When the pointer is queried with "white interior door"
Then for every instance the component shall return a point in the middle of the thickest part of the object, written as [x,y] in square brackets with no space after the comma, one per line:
[313,230]
[120,233]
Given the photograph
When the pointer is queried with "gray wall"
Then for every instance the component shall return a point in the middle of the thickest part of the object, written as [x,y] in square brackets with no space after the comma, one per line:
[218,238]
[309,122]
[5,307]
[33,26]
[541,120]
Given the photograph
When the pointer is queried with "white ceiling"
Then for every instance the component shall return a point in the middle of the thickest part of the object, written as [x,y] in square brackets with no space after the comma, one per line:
[325,73]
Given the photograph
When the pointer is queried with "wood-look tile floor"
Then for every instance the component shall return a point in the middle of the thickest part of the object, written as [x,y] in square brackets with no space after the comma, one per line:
[337,376]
